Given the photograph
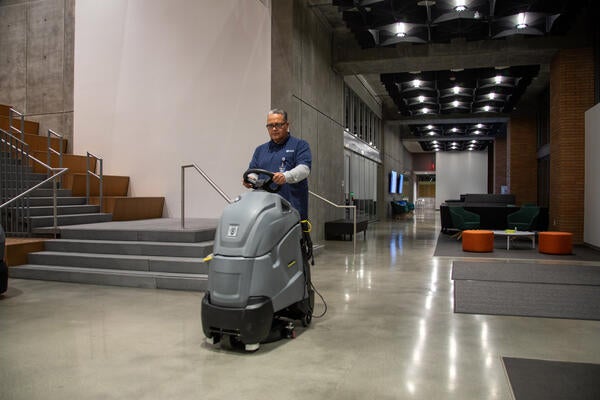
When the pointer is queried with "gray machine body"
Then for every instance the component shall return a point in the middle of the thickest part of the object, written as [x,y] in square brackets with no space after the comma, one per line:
[257,253]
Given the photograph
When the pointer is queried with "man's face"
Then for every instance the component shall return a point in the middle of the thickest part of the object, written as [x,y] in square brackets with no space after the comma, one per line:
[277,127]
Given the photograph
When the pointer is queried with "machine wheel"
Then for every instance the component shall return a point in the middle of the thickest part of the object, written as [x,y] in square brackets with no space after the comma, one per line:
[306,319]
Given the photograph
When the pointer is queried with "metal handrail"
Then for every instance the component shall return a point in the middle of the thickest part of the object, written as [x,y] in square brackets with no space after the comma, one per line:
[56,172]
[51,151]
[100,178]
[21,116]
[208,179]
[341,206]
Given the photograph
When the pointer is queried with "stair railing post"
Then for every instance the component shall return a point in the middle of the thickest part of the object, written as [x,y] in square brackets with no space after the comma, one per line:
[87,178]
[54,209]
[182,197]
[101,179]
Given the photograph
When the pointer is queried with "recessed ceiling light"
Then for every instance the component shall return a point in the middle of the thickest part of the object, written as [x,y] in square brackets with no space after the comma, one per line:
[453,143]
[456,89]
[436,149]
[425,110]
[521,24]
[416,83]
[461,5]
[492,95]
[455,103]
[498,79]
[421,99]
[486,108]
[435,142]
[470,149]
[454,129]
[473,141]
[431,133]
[429,126]
[479,126]
[477,132]
[400,29]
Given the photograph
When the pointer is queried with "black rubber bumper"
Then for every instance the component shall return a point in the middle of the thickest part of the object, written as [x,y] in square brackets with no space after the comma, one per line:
[250,324]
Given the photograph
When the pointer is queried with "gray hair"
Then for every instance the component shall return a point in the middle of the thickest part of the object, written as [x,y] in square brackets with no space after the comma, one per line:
[279,111]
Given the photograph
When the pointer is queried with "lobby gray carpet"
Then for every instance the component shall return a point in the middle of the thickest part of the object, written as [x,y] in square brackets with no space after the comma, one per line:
[448,246]
[549,380]
[527,289]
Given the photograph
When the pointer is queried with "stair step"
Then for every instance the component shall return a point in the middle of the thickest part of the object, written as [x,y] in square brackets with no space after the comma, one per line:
[48,193]
[31,127]
[26,184]
[112,185]
[40,143]
[187,265]
[76,163]
[145,248]
[61,201]
[131,208]
[153,230]
[113,277]
[76,219]
[63,210]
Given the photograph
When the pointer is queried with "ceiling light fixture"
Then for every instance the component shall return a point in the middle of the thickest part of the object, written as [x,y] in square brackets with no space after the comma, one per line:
[492,95]
[454,129]
[498,79]
[431,133]
[435,142]
[486,108]
[455,103]
[421,99]
[400,29]
[479,126]
[429,126]
[456,89]
[477,132]
[416,83]
[461,5]
[425,110]
[473,141]
[521,21]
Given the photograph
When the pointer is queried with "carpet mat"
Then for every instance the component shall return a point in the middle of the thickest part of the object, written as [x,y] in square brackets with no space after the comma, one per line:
[448,246]
[549,380]
[526,289]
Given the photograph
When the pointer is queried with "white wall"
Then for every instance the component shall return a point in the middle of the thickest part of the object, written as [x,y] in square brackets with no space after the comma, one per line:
[159,84]
[459,173]
[591,227]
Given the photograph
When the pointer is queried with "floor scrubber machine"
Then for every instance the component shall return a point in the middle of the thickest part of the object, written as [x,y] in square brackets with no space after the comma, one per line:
[259,275]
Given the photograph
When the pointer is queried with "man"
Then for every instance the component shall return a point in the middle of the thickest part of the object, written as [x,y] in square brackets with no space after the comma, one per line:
[289,158]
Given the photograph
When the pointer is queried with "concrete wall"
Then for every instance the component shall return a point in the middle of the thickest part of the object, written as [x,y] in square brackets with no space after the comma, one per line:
[395,157]
[160,84]
[36,66]
[303,83]
[591,233]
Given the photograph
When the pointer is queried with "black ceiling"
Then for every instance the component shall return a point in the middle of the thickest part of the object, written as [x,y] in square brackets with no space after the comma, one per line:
[477,95]
[389,22]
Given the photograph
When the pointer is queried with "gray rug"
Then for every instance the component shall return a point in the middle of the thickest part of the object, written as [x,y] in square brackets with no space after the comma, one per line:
[526,289]
[448,246]
[549,380]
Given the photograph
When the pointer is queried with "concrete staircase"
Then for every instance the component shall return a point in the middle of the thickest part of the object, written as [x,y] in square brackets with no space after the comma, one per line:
[152,253]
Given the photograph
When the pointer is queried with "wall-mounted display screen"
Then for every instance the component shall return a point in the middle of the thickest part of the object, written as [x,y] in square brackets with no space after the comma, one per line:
[393,182]
[400,183]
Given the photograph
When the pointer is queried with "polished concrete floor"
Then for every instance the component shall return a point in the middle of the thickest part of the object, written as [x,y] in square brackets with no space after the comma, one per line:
[389,333]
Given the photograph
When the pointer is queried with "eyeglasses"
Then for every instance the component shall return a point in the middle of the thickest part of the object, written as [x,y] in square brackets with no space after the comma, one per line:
[277,125]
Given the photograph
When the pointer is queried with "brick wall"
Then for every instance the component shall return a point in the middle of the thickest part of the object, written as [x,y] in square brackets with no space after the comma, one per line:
[571,94]
[499,164]
[522,158]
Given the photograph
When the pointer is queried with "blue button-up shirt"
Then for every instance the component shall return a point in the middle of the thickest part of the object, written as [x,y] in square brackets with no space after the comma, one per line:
[284,157]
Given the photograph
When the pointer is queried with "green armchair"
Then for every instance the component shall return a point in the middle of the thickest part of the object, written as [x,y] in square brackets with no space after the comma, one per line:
[463,219]
[524,219]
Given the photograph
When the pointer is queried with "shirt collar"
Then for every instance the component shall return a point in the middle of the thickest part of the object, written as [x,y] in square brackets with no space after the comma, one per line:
[273,144]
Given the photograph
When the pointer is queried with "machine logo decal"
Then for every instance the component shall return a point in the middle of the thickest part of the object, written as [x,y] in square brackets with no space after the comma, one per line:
[232,231]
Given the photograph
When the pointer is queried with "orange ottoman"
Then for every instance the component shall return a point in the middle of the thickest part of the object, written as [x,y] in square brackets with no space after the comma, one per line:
[555,242]
[478,241]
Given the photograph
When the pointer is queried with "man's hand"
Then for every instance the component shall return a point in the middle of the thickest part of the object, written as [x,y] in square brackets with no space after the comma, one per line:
[248,185]
[279,178]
